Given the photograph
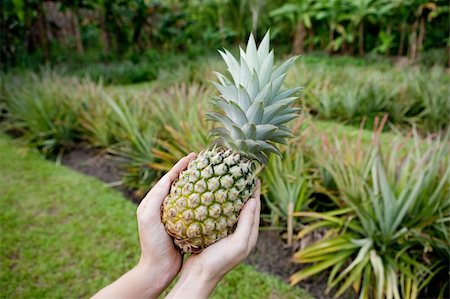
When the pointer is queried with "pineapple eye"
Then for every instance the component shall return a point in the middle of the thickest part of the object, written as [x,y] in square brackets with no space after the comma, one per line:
[215,210]
[207,172]
[176,191]
[226,181]
[232,220]
[187,189]
[220,169]
[181,202]
[221,195]
[202,163]
[207,198]
[227,153]
[213,184]
[236,158]
[201,213]
[200,186]
[184,177]
[210,238]
[172,212]
[192,165]
[180,227]
[236,171]
[246,194]
[229,160]
[238,204]
[240,184]
[194,175]
[216,159]
[209,225]
[246,167]
[233,193]
[193,230]
[194,200]
[197,242]
[228,208]
[188,215]
[221,223]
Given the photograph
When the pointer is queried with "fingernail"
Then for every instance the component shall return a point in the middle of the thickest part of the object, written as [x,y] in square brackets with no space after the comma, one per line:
[252,203]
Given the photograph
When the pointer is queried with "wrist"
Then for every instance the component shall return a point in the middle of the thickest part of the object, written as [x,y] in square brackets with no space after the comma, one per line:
[194,282]
[157,275]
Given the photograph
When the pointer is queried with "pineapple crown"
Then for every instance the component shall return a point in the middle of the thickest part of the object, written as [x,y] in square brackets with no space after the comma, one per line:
[253,107]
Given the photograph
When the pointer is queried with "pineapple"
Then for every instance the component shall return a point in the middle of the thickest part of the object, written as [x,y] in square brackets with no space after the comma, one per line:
[204,202]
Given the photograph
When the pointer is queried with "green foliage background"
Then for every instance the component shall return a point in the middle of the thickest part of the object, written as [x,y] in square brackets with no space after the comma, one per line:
[139,31]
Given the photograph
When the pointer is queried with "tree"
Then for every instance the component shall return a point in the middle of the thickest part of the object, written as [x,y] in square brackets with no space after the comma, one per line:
[361,10]
[299,15]
[255,8]
[424,11]
[335,12]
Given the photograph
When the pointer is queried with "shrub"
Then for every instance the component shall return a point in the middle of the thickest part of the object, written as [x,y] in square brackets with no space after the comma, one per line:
[435,100]
[118,73]
[179,111]
[387,236]
[289,183]
[42,108]
[350,94]
[135,134]
[434,57]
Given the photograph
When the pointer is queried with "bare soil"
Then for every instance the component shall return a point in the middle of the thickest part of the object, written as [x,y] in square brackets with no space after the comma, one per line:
[98,164]
[271,254]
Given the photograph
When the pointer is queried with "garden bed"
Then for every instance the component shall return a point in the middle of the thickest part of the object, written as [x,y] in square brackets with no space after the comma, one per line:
[330,170]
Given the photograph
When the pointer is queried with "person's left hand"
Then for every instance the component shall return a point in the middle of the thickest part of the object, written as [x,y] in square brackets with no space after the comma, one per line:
[157,247]
[160,261]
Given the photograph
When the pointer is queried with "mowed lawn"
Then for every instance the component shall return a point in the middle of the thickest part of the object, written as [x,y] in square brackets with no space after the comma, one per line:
[65,235]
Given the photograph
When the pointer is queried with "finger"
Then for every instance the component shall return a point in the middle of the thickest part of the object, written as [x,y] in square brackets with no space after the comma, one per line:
[255,229]
[245,223]
[156,195]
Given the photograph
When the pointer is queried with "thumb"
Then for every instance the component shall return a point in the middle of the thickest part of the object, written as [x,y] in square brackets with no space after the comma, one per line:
[246,220]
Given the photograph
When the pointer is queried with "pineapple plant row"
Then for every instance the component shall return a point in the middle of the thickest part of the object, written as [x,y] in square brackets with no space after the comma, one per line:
[204,202]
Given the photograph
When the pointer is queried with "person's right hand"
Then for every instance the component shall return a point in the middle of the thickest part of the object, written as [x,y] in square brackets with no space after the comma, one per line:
[201,272]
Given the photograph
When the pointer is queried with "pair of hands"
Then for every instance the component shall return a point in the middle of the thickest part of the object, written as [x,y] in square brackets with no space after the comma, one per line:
[161,260]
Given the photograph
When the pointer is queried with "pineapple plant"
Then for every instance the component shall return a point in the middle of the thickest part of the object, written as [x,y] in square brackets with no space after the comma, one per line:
[204,202]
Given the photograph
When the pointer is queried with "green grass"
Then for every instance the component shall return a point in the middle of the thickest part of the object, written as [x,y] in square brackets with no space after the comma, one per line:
[67,235]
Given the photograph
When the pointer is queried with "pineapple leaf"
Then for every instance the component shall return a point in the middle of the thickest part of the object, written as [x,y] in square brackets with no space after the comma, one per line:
[252,104]
[222,79]
[286,94]
[255,112]
[243,98]
[249,131]
[266,70]
[277,83]
[263,49]
[265,131]
[281,119]
[227,92]
[265,94]
[251,53]
[283,68]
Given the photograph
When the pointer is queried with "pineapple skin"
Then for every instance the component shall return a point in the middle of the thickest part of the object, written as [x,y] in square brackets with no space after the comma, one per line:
[204,202]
